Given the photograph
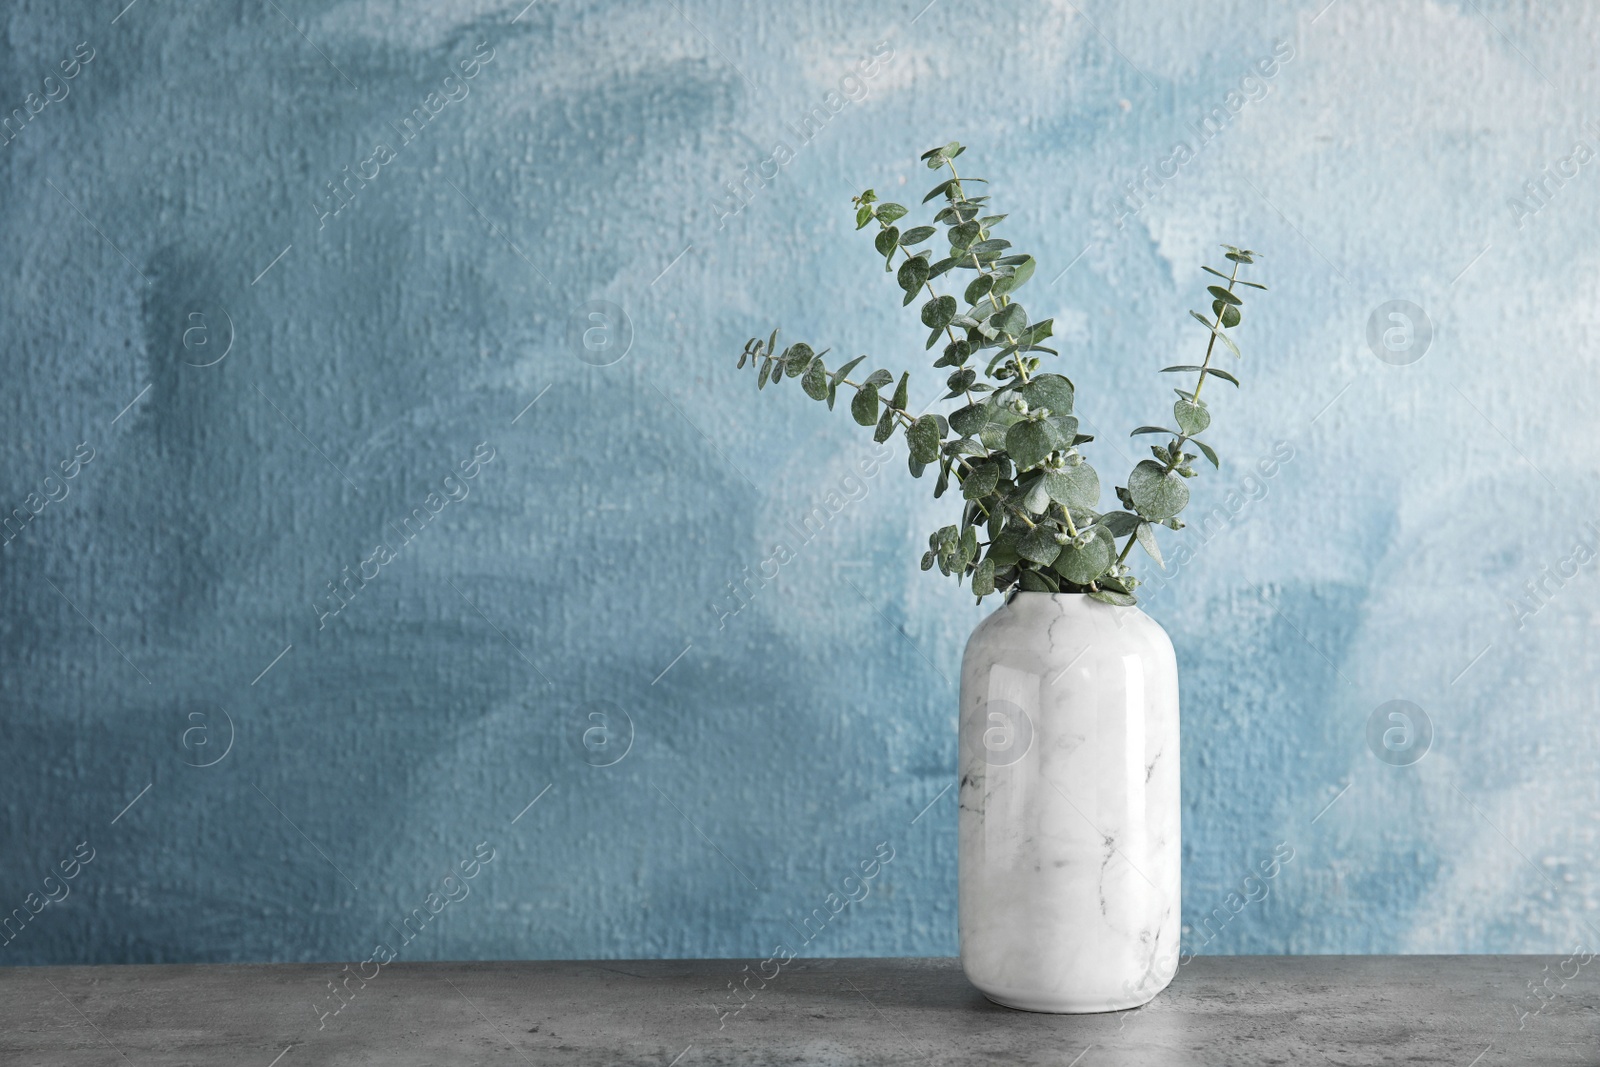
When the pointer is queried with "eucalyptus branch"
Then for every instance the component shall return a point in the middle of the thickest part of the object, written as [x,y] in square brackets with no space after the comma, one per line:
[1013,447]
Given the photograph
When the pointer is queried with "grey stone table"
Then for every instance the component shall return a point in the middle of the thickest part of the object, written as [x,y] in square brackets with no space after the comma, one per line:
[1463,1011]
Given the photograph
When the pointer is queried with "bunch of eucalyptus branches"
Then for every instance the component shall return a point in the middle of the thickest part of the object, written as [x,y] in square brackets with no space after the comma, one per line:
[1031,515]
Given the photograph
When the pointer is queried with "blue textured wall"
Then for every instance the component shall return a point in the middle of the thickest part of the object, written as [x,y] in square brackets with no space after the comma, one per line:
[170,605]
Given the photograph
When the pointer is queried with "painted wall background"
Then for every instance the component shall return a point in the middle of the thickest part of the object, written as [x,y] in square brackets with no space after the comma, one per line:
[175,199]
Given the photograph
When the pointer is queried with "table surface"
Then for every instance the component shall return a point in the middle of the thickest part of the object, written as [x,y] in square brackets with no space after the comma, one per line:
[1464,1011]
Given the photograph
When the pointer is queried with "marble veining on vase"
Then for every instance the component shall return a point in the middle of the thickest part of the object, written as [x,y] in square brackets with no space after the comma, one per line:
[1069,813]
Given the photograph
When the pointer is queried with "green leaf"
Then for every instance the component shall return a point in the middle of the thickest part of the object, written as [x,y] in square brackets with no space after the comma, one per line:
[983,577]
[960,382]
[1207,323]
[864,408]
[1154,429]
[1106,596]
[1035,582]
[1192,418]
[958,212]
[1028,443]
[887,241]
[1037,498]
[844,372]
[1182,367]
[912,276]
[1050,391]
[955,353]
[1228,314]
[1120,523]
[766,371]
[1209,452]
[1157,493]
[888,213]
[1063,429]
[1224,375]
[939,190]
[1223,295]
[1083,565]
[993,433]
[1003,547]
[796,358]
[980,480]
[1011,320]
[1077,488]
[938,312]
[962,235]
[1039,545]
[1031,337]
[941,266]
[922,437]
[1007,283]
[878,377]
[1147,541]
[885,428]
[863,215]
[815,381]
[901,391]
[916,235]
[970,419]
[1227,342]
[979,288]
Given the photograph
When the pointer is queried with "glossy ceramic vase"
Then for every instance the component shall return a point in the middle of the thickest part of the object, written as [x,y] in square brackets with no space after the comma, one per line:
[1069,821]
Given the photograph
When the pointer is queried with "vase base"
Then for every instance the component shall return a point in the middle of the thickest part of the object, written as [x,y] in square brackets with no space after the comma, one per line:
[1070,1006]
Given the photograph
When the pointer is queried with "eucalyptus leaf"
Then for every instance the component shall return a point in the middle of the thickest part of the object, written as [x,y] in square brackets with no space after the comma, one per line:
[1010,320]
[970,419]
[912,276]
[1028,443]
[1082,564]
[922,437]
[1077,488]
[980,480]
[885,428]
[1147,541]
[864,407]
[815,381]
[1036,582]
[1157,493]
[1192,418]
[1120,523]
[983,578]
[1039,545]
[1050,391]
[1036,499]
[938,312]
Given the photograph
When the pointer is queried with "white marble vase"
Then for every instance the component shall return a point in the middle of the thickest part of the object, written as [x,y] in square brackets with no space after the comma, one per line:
[1069,822]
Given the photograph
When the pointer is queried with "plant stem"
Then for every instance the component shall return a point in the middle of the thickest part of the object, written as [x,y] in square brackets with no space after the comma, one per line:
[1212,343]
[1016,357]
